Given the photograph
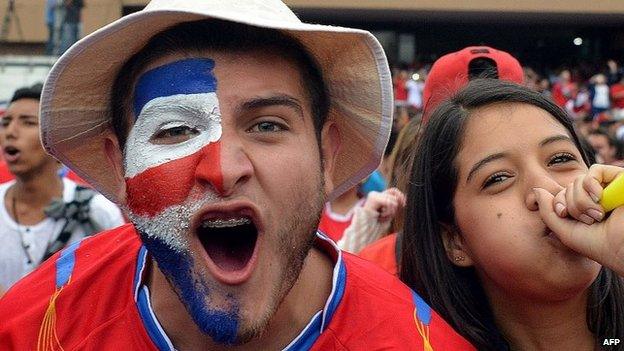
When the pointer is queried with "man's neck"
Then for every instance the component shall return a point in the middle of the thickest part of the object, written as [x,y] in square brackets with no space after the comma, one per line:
[37,191]
[307,297]
[548,326]
[27,198]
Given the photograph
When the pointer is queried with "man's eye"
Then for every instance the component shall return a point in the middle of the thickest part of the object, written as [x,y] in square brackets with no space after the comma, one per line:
[494,179]
[267,127]
[174,135]
[561,158]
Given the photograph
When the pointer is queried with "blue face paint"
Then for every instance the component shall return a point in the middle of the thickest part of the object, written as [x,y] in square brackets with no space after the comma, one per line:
[188,76]
[221,326]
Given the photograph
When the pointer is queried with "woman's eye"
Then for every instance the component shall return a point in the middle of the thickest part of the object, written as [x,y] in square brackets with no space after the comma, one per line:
[174,135]
[495,179]
[561,158]
[267,127]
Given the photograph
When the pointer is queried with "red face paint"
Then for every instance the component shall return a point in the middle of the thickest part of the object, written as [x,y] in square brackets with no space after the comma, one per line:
[157,188]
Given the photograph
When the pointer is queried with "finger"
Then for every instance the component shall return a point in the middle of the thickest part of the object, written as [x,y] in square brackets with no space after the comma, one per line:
[560,203]
[604,174]
[593,187]
[571,207]
[576,235]
[584,202]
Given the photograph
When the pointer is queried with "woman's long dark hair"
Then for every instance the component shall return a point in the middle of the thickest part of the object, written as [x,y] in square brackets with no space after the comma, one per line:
[452,291]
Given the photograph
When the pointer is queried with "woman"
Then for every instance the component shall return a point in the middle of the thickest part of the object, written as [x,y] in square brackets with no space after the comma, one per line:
[503,231]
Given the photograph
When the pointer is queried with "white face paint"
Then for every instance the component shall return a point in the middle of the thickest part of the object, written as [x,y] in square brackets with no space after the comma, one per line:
[172,224]
[196,111]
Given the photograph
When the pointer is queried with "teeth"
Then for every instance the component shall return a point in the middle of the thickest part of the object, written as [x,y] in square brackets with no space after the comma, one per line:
[225,223]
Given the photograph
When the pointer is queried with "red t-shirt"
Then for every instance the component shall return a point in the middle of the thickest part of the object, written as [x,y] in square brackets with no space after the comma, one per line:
[617,88]
[333,224]
[99,306]
[383,253]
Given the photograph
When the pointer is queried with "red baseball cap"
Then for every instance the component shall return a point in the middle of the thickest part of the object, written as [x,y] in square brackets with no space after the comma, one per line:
[453,71]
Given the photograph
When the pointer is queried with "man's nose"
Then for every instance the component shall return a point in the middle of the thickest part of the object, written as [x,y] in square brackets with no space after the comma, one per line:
[224,165]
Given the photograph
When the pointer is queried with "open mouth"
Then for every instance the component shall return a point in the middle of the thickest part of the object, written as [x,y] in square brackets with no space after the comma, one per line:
[230,241]
[10,153]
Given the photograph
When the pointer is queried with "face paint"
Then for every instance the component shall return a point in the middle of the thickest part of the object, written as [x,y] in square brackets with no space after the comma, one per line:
[175,141]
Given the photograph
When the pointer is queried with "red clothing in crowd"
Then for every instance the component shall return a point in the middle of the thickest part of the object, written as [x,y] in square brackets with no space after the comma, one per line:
[563,92]
[383,252]
[91,296]
[617,95]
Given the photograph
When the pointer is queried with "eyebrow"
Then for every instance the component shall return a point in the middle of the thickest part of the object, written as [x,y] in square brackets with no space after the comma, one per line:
[276,100]
[554,139]
[497,156]
[483,162]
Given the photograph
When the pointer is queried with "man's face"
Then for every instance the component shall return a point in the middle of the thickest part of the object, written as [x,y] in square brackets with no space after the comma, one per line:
[224,183]
[19,138]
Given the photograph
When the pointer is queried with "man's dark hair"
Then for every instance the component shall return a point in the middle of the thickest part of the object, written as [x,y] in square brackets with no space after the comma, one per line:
[217,35]
[32,92]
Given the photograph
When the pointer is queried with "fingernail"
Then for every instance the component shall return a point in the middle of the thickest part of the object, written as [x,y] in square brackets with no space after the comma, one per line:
[560,209]
[594,197]
[586,219]
[537,194]
[595,214]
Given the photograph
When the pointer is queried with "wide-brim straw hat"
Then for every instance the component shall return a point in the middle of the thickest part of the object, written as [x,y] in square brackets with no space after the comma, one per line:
[75,104]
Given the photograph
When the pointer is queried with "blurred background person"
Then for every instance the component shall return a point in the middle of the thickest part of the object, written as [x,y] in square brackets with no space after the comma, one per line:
[41,212]
[607,149]
[72,24]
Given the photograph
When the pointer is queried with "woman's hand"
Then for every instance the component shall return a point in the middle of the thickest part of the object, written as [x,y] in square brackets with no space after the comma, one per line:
[578,220]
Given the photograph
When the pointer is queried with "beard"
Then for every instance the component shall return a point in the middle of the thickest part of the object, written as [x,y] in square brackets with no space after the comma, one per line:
[215,311]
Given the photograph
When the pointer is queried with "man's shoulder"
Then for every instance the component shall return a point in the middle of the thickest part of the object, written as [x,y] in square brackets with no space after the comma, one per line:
[378,311]
[99,273]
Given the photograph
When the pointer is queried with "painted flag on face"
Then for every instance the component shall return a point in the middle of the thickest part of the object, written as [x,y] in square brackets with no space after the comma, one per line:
[175,137]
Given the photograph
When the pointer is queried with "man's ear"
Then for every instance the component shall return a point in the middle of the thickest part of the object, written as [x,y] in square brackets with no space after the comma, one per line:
[114,156]
[455,247]
[330,144]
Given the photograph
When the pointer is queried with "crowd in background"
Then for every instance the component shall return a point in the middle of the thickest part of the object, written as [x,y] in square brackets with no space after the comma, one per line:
[591,94]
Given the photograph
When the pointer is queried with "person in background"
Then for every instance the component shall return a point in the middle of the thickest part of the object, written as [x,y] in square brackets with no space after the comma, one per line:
[564,90]
[50,17]
[41,212]
[448,75]
[617,99]
[607,148]
[504,234]
[71,25]
[599,93]
[452,72]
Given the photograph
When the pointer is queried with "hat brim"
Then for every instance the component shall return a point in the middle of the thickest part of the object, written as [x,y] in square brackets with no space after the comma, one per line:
[75,104]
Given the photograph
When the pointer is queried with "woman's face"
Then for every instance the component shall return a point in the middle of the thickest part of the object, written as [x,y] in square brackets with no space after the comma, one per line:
[507,150]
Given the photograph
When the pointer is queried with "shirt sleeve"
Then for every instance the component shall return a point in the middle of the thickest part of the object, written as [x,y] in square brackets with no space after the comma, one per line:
[363,230]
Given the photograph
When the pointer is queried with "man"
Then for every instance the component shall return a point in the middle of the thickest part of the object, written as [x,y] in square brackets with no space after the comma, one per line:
[70,23]
[221,127]
[41,212]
